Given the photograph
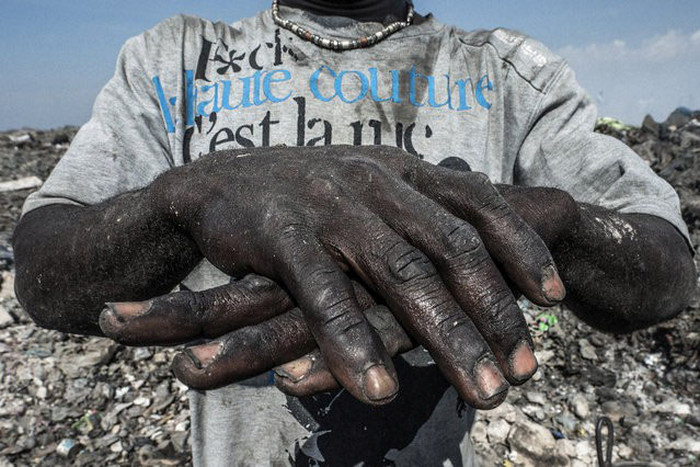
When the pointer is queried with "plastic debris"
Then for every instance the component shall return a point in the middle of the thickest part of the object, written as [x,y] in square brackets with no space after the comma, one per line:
[68,448]
[87,422]
[21,184]
[545,321]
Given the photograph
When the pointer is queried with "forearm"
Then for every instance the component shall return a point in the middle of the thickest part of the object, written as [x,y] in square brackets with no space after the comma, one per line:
[622,271]
[71,260]
[625,271]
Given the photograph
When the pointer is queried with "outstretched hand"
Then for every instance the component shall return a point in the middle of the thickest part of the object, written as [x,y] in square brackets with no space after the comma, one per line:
[428,240]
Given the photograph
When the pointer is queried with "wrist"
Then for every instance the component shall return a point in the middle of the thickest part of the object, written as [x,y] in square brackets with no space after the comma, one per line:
[165,198]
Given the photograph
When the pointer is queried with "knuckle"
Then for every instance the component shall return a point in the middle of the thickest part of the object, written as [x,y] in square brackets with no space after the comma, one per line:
[334,296]
[461,239]
[258,283]
[499,316]
[564,201]
[276,215]
[325,187]
[364,169]
[257,342]
[479,178]
[490,199]
[446,319]
[408,264]
[194,302]
[289,235]
[494,305]
[456,326]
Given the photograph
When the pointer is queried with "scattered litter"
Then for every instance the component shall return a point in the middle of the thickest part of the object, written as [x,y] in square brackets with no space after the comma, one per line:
[21,184]
[68,448]
[545,321]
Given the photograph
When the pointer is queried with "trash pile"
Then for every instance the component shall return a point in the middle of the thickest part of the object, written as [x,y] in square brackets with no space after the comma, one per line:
[73,400]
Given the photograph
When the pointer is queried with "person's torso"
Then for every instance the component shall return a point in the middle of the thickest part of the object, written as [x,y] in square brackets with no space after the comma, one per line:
[431,90]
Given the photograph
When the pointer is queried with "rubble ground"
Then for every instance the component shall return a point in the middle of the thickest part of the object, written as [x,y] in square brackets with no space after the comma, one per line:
[75,400]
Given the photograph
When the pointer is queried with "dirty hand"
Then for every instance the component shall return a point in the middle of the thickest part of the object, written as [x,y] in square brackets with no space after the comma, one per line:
[422,237]
[552,213]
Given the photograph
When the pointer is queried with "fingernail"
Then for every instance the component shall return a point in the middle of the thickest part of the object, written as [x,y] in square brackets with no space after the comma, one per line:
[523,363]
[490,380]
[203,355]
[126,310]
[552,286]
[296,370]
[378,384]
[257,281]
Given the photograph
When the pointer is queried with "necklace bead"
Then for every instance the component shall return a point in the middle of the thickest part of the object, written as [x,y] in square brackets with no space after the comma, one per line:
[345,44]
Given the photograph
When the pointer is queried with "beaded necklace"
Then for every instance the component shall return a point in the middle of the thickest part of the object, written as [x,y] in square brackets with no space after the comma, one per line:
[345,44]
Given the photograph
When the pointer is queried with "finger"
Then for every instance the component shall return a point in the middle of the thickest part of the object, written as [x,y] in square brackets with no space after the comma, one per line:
[351,348]
[549,211]
[411,287]
[310,374]
[305,376]
[476,283]
[244,352]
[184,316]
[514,245]
[252,350]
[525,201]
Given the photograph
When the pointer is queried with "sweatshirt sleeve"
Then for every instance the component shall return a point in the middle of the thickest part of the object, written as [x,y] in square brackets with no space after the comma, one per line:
[561,150]
[124,145]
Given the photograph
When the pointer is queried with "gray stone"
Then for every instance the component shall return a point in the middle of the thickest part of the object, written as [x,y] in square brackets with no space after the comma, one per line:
[179,440]
[536,397]
[566,447]
[584,450]
[536,444]
[587,350]
[478,433]
[544,356]
[671,406]
[566,421]
[506,411]
[579,406]
[679,117]
[617,410]
[24,183]
[58,413]
[23,138]
[97,354]
[142,353]
[650,125]
[6,318]
[41,392]
[640,446]
[693,420]
[686,444]
[534,412]
[624,451]
[497,431]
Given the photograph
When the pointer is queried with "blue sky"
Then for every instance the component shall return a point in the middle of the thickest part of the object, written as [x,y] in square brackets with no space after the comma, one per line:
[633,56]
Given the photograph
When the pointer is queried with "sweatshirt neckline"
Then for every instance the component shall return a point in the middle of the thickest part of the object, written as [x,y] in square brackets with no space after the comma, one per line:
[340,27]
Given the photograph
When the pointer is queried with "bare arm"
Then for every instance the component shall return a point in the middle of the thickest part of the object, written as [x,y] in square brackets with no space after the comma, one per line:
[299,216]
[610,284]
[625,271]
[72,259]
[622,271]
